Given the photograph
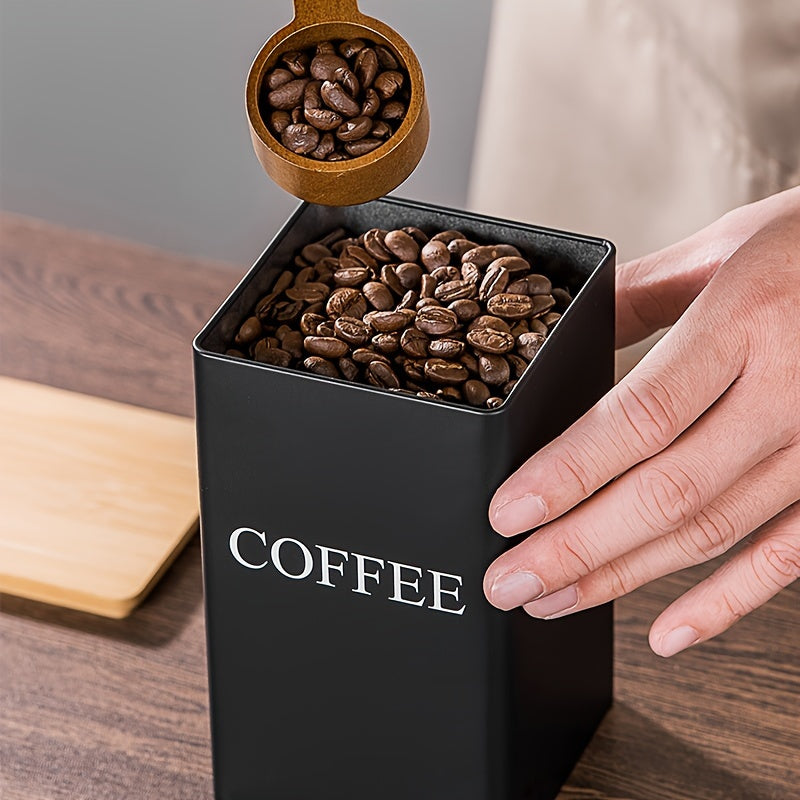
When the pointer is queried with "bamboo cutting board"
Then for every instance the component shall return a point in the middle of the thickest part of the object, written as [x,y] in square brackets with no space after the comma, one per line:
[96,497]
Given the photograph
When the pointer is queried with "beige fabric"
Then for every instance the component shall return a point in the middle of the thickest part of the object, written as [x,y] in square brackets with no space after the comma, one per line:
[638,120]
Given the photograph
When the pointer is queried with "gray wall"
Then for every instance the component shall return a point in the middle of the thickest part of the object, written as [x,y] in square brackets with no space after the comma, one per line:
[127,116]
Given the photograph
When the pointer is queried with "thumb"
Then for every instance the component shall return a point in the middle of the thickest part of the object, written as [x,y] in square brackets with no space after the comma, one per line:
[653,291]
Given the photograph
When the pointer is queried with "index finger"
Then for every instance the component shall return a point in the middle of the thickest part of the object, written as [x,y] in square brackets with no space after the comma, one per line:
[661,397]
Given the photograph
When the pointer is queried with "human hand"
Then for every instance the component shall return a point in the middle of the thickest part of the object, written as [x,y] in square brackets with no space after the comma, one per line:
[703,436]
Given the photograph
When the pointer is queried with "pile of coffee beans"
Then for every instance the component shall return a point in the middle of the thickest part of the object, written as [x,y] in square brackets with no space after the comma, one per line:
[438,316]
[336,101]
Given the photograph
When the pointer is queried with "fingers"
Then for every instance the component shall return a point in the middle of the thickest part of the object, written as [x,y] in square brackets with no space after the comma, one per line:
[755,498]
[768,564]
[650,500]
[672,386]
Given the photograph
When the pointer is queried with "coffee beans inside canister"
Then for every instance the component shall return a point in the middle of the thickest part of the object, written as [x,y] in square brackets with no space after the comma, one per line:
[439,316]
[337,100]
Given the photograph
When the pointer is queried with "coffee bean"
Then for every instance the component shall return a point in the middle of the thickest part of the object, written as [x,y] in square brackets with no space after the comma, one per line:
[386,343]
[305,275]
[309,322]
[321,366]
[308,292]
[324,65]
[450,291]
[517,363]
[436,321]
[387,83]
[348,368]
[351,47]
[440,371]
[446,348]
[300,138]
[510,306]
[278,77]
[537,326]
[388,321]
[271,355]
[288,95]
[362,147]
[371,105]
[292,343]
[325,346]
[507,387]
[550,318]
[403,246]
[519,327]
[493,369]
[386,59]
[494,402]
[446,274]
[315,252]
[296,61]
[427,286]
[427,301]
[279,121]
[364,355]
[435,254]
[562,297]
[417,234]
[494,281]
[325,329]
[470,272]
[373,244]
[380,130]
[447,236]
[528,344]
[381,374]
[414,343]
[354,129]
[323,119]
[346,302]
[451,393]
[470,362]
[351,276]
[234,353]
[488,321]
[516,266]
[249,331]
[389,278]
[378,296]
[409,301]
[393,110]
[488,340]
[356,256]
[352,330]
[287,310]
[483,255]
[476,392]
[465,310]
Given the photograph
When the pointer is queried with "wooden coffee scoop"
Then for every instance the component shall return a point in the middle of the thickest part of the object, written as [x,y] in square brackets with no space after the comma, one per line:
[356,180]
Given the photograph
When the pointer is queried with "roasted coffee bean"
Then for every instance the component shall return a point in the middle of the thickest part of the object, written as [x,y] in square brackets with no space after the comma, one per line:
[389,321]
[324,65]
[296,61]
[373,244]
[389,278]
[457,247]
[470,362]
[427,301]
[326,328]
[446,348]
[417,234]
[287,310]
[378,296]
[315,252]
[353,331]
[387,83]
[507,387]
[403,246]
[348,368]
[336,98]
[234,353]
[337,156]
[324,148]
[494,402]
[278,77]
[494,281]
[323,119]
[537,326]
[408,274]
[381,374]
[249,331]
[351,47]
[288,95]
[414,343]
[300,138]
[292,343]
[440,371]
[465,310]
[305,275]
[321,366]
[427,286]
[308,292]
[476,392]
[271,355]
[409,301]
[346,302]
[528,344]
[550,318]
[297,115]
[356,256]
[488,340]
[386,343]
[435,254]
[510,306]
[447,236]
[488,321]
[349,81]
[351,276]
[451,393]
[470,272]
[312,99]
[279,121]
[362,147]
[517,363]
[393,110]
[446,274]
[515,265]
[309,323]
[380,130]
[354,129]
[436,321]
[519,327]
[371,105]
[450,291]
[364,355]
[366,66]
[386,59]
[493,369]
[483,255]
[562,297]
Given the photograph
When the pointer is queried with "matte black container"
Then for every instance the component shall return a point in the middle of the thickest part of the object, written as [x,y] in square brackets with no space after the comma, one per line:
[351,651]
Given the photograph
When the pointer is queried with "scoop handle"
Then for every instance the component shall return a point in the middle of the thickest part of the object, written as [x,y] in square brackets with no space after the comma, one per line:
[311,11]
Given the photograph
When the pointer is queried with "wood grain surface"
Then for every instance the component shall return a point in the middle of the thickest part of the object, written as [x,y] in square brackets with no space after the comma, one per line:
[117,710]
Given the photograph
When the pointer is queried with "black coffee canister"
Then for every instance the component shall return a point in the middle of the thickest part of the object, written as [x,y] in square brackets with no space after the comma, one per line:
[351,651]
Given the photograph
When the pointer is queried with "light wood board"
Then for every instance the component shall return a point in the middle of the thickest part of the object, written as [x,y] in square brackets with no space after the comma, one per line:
[96,497]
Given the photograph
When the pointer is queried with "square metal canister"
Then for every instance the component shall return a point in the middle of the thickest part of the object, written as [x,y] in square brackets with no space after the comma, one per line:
[351,651]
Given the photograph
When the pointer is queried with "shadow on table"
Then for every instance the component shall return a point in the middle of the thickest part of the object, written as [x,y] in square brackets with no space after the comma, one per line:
[632,757]
[162,616]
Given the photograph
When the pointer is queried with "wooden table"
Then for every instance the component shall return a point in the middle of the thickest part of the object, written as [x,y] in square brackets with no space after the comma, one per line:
[96,708]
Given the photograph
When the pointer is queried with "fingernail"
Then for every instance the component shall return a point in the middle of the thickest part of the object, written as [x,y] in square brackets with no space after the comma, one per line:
[554,605]
[514,589]
[520,514]
[676,640]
